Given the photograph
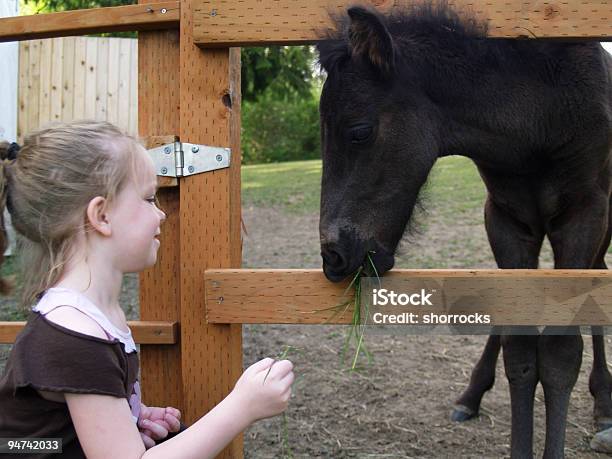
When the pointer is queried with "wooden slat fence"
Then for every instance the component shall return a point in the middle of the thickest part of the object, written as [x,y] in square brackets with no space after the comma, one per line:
[67,78]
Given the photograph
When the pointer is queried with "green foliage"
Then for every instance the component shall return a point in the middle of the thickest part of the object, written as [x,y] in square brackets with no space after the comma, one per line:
[276,129]
[285,70]
[280,114]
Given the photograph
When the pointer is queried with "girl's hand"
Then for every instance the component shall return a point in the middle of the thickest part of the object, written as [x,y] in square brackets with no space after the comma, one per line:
[155,423]
[265,391]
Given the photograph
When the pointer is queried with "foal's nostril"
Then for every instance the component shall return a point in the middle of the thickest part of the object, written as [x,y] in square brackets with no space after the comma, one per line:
[333,258]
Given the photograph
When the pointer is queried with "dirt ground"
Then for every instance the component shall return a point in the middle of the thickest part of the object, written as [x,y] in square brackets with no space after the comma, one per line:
[399,406]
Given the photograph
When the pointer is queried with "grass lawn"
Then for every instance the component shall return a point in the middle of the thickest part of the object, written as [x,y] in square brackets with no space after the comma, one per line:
[295,185]
[454,184]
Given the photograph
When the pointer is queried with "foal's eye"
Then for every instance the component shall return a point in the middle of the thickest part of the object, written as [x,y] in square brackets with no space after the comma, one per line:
[360,133]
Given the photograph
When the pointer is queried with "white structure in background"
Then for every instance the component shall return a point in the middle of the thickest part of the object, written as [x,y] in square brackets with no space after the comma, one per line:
[9,56]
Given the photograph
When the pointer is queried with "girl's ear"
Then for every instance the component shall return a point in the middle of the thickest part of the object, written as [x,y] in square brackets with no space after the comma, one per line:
[98,216]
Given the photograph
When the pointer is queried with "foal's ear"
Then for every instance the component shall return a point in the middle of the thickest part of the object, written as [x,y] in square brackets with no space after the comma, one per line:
[370,39]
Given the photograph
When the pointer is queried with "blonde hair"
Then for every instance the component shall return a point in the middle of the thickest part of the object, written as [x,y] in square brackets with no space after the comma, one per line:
[47,188]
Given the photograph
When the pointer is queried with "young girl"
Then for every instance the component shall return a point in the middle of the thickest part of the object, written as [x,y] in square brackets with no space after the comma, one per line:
[82,195]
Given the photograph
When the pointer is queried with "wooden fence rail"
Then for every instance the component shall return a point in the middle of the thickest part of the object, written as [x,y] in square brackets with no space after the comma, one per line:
[509,296]
[155,16]
[284,22]
[145,332]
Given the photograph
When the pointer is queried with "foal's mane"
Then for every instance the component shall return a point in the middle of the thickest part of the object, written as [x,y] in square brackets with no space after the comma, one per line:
[424,23]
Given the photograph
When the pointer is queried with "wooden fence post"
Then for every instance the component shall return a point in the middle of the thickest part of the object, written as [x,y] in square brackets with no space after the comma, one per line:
[158,114]
[195,93]
[209,220]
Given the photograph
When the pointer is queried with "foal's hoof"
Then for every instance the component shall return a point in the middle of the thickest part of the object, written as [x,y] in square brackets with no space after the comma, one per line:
[602,441]
[462,413]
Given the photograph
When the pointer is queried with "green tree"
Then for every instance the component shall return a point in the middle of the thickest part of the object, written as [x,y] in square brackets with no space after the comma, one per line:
[287,70]
[275,129]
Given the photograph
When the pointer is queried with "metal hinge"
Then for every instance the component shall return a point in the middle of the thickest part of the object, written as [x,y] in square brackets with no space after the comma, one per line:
[179,159]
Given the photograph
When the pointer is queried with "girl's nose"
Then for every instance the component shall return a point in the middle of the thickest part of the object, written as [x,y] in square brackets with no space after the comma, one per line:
[162,215]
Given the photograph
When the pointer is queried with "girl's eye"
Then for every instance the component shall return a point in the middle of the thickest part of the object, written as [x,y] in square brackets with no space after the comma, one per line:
[153,200]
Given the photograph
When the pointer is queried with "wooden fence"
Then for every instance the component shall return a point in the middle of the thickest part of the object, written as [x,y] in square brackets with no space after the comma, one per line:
[66,78]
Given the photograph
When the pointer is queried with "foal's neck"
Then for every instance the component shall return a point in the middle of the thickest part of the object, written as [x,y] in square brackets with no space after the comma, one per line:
[489,102]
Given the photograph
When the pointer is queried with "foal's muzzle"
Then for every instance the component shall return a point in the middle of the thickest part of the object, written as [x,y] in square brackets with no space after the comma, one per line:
[341,259]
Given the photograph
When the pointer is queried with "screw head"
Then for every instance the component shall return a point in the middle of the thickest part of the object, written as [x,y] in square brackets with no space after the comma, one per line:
[195,149]
[163,11]
[167,150]
[164,170]
[190,169]
[213,13]
[219,158]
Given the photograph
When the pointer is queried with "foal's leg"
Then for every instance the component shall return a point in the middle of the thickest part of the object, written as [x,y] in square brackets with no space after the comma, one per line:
[520,363]
[576,238]
[559,359]
[600,381]
[483,375]
[517,245]
[482,379]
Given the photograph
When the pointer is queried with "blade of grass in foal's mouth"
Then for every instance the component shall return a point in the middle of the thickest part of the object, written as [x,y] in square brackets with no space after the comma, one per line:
[357,329]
